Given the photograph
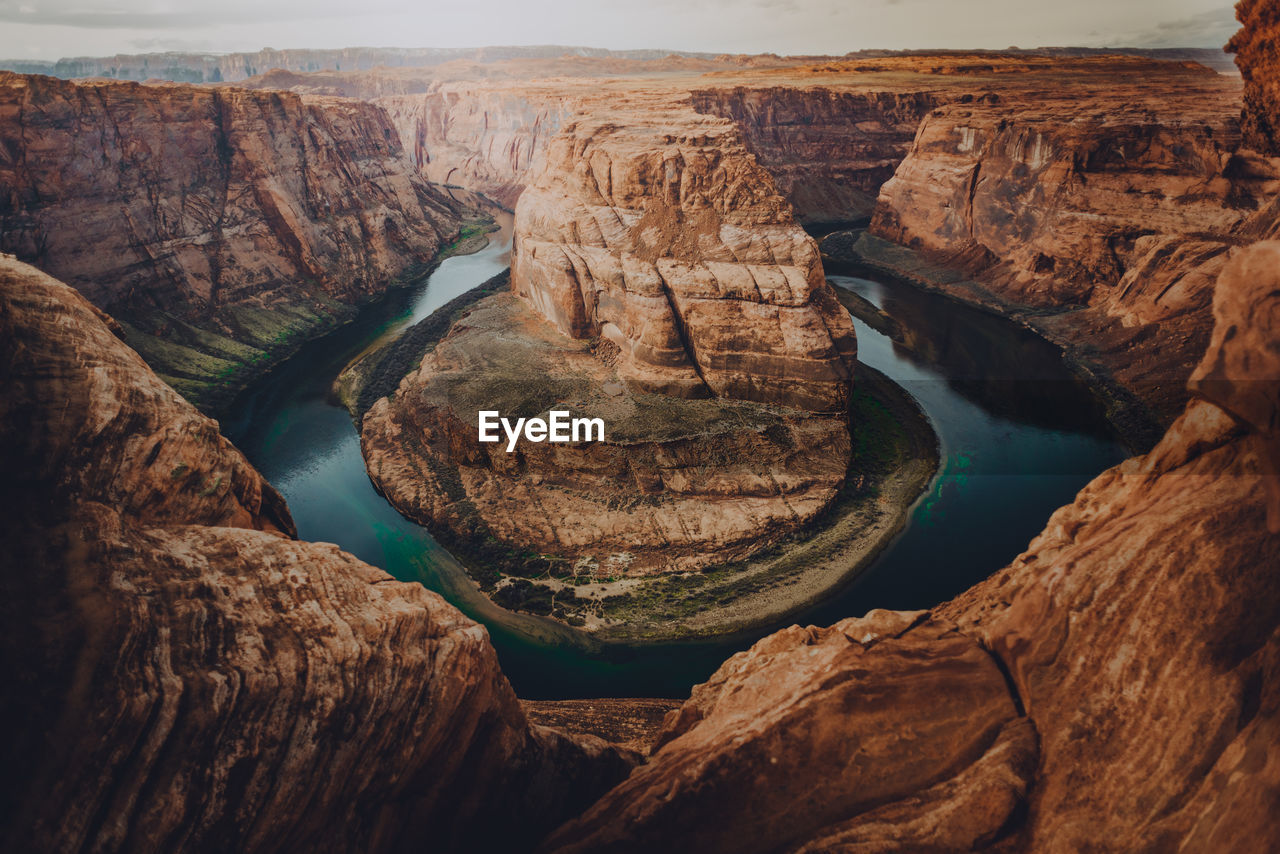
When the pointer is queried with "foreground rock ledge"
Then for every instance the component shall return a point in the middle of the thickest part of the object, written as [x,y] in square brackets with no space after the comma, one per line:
[1116,688]
[180,674]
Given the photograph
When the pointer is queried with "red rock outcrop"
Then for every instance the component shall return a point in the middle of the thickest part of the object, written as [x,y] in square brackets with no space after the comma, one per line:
[654,228]
[828,150]
[220,225]
[895,719]
[1258,59]
[180,674]
[1116,688]
[1103,212]
[656,267]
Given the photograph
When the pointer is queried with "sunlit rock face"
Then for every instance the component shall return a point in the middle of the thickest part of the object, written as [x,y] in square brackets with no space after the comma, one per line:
[661,284]
[656,230]
[1104,210]
[676,484]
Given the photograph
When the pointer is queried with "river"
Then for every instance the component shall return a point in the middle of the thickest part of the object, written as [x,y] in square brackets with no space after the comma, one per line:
[1019,437]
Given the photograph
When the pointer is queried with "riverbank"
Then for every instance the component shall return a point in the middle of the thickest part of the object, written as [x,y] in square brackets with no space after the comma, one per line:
[895,459]
[377,370]
[308,448]
[855,251]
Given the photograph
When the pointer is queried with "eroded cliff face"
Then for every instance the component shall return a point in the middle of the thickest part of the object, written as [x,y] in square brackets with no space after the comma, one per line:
[663,287]
[181,674]
[1103,213]
[479,137]
[828,150]
[677,484]
[659,232]
[1117,687]
[1258,59]
[220,226]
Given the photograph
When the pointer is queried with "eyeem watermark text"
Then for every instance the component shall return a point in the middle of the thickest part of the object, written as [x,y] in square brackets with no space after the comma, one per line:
[558,428]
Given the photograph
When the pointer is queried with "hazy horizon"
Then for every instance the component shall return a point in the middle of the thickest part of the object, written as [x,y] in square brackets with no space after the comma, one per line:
[65,28]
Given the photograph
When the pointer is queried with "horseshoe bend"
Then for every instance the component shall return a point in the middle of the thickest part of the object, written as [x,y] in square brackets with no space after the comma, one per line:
[934,503]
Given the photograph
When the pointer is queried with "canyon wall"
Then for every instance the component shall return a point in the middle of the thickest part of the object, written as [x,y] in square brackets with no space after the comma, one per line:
[656,230]
[675,485]
[181,675]
[828,150]
[220,226]
[479,137]
[1101,213]
[1117,687]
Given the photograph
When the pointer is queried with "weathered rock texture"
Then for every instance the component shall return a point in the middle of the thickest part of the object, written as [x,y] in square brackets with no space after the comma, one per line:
[1095,197]
[1111,204]
[656,230]
[479,137]
[677,485]
[1258,58]
[656,268]
[179,674]
[892,732]
[1116,688]
[220,225]
[828,150]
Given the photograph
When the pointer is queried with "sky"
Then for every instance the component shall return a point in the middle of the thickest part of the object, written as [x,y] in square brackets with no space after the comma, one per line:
[50,29]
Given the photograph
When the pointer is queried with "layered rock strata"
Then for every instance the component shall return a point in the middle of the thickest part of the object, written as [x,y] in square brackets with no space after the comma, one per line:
[1258,59]
[180,674]
[1116,688]
[1101,215]
[676,485]
[828,150]
[658,232]
[220,226]
[663,287]
[479,137]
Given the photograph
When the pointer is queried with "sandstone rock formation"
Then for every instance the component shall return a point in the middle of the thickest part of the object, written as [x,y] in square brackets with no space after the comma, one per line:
[677,485]
[1102,212]
[220,226]
[179,674]
[828,150]
[1111,186]
[891,732]
[483,138]
[657,231]
[656,268]
[1116,688]
[1259,63]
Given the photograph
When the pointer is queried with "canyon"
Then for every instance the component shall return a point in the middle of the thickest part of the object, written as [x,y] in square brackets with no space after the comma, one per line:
[659,283]
[1094,199]
[183,672]
[1115,687]
[654,221]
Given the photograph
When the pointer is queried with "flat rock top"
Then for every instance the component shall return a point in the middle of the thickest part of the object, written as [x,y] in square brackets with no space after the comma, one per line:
[503,356]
